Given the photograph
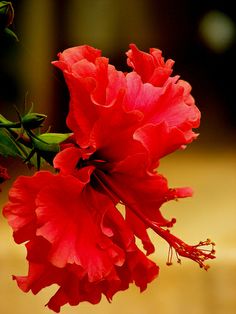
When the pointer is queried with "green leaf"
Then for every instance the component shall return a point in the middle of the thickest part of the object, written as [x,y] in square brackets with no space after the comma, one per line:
[8,145]
[53,138]
[8,33]
[4,123]
[4,120]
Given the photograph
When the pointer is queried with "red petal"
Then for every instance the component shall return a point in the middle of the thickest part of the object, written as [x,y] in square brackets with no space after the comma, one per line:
[160,140]
[151,67]
[72,55]
[20,210]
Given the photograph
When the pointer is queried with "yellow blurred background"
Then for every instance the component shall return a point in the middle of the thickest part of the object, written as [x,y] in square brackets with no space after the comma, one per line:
[200,37]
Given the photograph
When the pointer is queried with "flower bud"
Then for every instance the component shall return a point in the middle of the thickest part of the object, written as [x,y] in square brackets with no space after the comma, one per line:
[6,14]
[33,120]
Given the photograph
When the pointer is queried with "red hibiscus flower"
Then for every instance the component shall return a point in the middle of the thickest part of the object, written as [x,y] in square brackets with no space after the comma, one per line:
[122,125]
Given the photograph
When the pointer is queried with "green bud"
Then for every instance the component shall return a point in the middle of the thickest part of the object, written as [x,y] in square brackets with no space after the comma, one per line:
[33,120]
[6,14]
[8,33]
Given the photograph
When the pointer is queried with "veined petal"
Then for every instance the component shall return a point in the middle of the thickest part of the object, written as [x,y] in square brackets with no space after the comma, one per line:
[160,139]
[67,230]
[140,96]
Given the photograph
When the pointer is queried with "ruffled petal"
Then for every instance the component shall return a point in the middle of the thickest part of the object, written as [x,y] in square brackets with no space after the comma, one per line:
[79,240]
[92,83]
[73,55]
[160,140]
[20,210]
[151,67]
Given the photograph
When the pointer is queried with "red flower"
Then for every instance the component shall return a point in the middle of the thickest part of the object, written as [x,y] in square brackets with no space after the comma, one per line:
[122,125]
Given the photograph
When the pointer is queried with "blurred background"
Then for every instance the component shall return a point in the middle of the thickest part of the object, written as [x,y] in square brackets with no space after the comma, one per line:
[201,38]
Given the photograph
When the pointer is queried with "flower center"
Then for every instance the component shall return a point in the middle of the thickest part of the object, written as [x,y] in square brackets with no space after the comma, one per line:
[100,164]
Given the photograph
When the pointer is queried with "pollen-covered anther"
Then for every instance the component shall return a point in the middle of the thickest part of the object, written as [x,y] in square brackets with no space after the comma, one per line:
[170,256]
[197,252]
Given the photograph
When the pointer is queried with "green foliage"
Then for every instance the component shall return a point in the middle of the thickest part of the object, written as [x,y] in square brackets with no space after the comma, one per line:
[53,138]
[23,139]
[46,146]
[9,146]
